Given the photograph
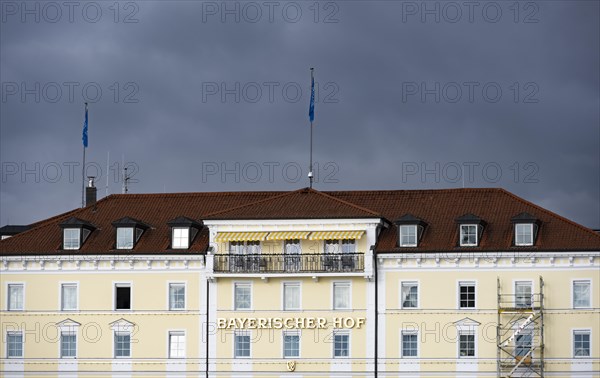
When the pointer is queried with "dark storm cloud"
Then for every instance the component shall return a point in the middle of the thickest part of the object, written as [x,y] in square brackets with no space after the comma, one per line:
[163,110]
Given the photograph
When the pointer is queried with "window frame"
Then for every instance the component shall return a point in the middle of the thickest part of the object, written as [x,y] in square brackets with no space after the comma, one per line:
[410,282]
[285,333]
[406,332]
[67,333]
[133,233]
[237,284]
[467,333]
[8,296]
[169,302]
[242,333]
[176,332]
[466,282]
[401,235]
[524,244]
[590,296]
[79,238]
[121,333]
[581,331]
[285,284]
[61,304]
[14,333]
[341,332]
[187,238]
[532,299]
[122,284]
[476,235]
[333,287]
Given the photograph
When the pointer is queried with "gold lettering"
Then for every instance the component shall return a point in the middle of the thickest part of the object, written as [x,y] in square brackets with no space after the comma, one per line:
[231,323]
[277,323]
[360,322]
[251,323]
[337,322]
[221,323]
[321,323]
[310,323]
[300,322]
[262,323]
[288,323]
[349,323]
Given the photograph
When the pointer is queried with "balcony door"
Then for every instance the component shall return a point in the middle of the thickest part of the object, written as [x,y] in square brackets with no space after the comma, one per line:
[292,255]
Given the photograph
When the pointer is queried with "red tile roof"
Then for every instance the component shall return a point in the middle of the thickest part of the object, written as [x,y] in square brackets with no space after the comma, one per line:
[438,208]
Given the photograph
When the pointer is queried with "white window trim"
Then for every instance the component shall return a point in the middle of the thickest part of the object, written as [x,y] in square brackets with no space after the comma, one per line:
[185,295]
[169,332]
[461,235]
[291,333]
[242,332]
[582,330]
[532,236]
[283,284]
[416,235]
[114,295]
[407,281]
[132,238]
[514,285]
[338,331]
[466,281]
[72,332]
[60,296]
[235,283]
[173,237]
[114,352]
[406,331]
[588,280]
[22,356]
[333,295]
[283,246]
[79,231]
[7,300]
[473,332]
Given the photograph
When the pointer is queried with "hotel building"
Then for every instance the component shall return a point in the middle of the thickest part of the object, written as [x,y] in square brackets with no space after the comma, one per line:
[305,283]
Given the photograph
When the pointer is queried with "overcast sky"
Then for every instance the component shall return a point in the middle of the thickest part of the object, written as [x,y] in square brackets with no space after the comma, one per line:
[213,96]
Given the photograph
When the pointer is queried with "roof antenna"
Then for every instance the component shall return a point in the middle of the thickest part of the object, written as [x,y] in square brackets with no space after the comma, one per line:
[126,179]
[311,117]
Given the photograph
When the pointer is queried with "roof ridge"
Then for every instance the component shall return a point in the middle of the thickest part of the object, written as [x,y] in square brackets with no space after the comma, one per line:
[252,203]
[347,203]
[551,213]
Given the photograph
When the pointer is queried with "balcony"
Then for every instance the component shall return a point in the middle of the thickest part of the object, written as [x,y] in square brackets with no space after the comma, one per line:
[289,263]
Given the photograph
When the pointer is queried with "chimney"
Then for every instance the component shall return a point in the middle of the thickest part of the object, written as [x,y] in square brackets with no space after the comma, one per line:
[90,192]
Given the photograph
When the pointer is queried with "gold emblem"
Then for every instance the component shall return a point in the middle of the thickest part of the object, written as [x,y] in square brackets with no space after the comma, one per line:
[291,365]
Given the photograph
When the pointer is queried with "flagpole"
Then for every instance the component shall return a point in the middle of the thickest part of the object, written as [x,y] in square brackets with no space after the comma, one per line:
[311,117]
[83,167]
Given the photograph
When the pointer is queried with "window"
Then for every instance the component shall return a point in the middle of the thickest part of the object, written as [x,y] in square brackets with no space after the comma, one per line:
[253,247]
[122,345]
[348,246]
[341,295]
[68,297]
[292,246]
[581,294]
[14,344]
[291,344]
[124,237]
[523,295]
[181,237]
[523,234]
[341,344]
[410,295]
[467,294]
[581,343]
[15,297]
[68,345]
[241,344]
[122,297]
[176,345]
[240,247]
[71,238]
[466,345]
[292,258]
[409,344]
[408,236]
[176,296]
[468,235]
[523,343]
[337,246]
[332,246]
[291,296]
[242,296]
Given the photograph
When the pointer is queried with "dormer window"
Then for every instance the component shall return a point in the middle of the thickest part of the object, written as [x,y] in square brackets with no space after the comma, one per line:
[525,229]
[468,235]
[129,231]
[470,230]
[183,232]
[75,232]
[410,230]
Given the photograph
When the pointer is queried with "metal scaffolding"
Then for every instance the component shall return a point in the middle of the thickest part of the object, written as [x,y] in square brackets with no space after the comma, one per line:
[520,331]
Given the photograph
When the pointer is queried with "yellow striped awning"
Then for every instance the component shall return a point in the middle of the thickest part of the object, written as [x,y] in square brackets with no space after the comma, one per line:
[240,236]
[285,235]
[322,235]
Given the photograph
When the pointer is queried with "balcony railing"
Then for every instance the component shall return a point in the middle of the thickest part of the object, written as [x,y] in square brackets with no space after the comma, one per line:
[289,263]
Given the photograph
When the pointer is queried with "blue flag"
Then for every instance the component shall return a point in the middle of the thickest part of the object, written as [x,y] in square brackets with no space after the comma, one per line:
[311,108]
[85,129]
